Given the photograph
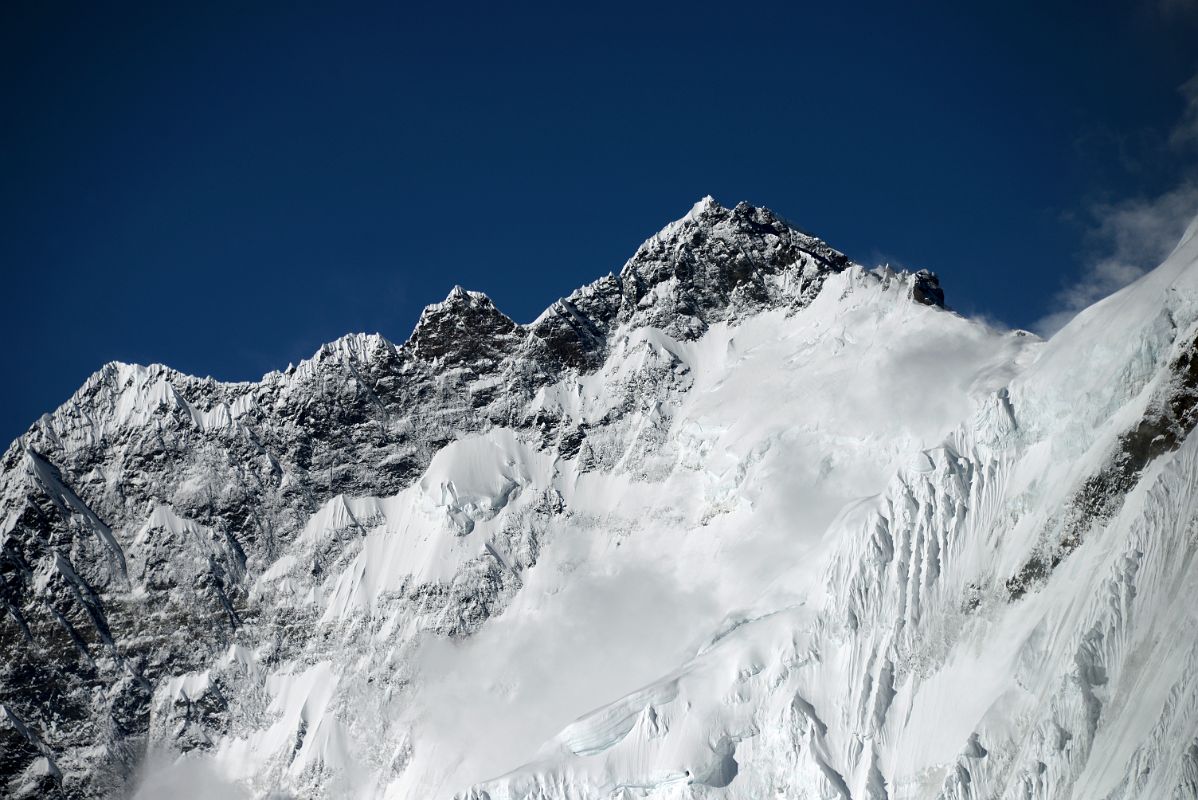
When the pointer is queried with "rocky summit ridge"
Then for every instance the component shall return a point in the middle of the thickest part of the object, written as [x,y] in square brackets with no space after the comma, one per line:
[105,600]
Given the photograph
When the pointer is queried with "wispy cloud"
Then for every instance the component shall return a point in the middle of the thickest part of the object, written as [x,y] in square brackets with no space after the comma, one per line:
[1186,132]
[1176,8]
[883,258]
[1130,237]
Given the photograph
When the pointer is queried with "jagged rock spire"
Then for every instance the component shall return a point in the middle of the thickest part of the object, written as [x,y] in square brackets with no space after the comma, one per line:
[464,328]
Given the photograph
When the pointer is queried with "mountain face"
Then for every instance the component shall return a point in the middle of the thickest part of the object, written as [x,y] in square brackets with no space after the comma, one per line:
[745,520]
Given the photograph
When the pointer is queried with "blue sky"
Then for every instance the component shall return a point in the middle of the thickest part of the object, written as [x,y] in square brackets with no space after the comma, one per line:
[223,189]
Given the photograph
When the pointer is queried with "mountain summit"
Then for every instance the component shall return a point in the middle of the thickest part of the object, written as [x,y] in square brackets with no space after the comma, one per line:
[743,519]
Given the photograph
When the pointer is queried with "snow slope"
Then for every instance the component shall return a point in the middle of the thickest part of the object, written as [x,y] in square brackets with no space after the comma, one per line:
[745,520]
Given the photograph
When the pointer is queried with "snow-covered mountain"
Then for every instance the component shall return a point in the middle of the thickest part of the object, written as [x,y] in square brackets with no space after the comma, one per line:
[745,520]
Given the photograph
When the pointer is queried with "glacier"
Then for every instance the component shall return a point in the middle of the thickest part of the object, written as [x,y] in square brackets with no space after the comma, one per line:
[744,520]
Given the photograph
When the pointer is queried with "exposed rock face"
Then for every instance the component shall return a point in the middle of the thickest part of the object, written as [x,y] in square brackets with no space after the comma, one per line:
[466,330]
[793,528]
[926,289]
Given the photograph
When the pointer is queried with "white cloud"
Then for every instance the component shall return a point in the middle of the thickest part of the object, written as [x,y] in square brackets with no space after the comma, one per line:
[1131,237]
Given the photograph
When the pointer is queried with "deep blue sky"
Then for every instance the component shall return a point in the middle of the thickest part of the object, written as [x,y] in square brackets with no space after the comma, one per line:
[223,189]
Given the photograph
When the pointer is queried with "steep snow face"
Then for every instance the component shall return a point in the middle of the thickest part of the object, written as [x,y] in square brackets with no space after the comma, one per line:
[744,520]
